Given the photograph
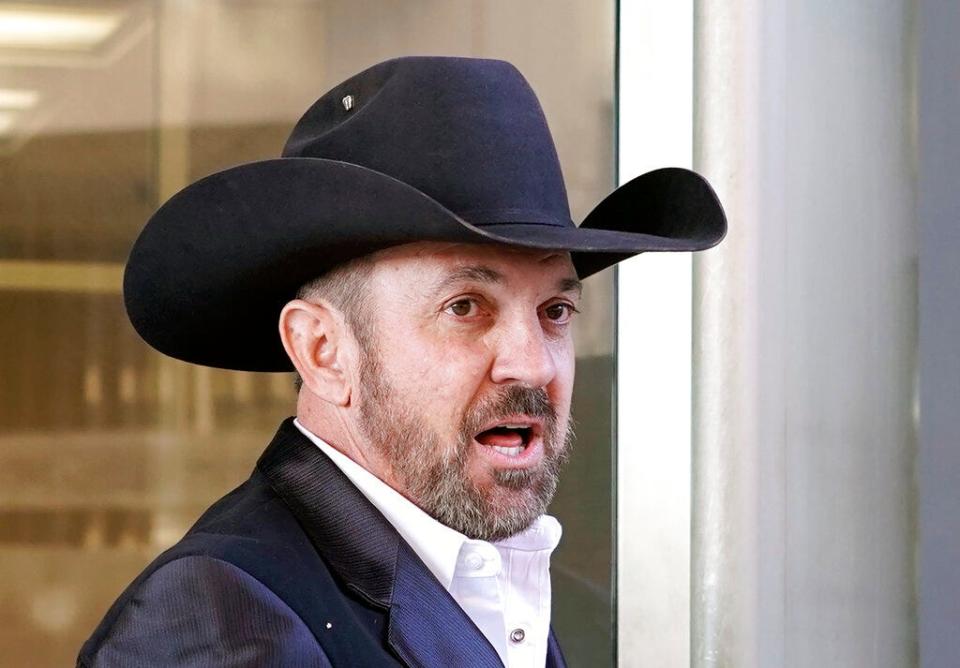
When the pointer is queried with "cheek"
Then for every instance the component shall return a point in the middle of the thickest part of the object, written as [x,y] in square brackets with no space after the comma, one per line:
[441,376]
[565,359]
[561,390]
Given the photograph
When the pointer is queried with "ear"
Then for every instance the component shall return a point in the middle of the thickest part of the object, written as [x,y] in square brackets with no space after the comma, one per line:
[314,336]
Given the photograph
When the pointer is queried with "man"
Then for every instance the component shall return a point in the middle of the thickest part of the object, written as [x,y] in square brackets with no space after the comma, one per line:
[415,250]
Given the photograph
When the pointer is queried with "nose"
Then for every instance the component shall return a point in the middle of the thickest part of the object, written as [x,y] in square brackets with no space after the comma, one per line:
[523,354]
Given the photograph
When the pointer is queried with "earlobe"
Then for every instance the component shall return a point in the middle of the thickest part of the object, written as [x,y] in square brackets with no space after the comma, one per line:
[312,337]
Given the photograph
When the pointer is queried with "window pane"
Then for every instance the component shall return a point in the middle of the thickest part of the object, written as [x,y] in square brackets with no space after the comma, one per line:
[109,450]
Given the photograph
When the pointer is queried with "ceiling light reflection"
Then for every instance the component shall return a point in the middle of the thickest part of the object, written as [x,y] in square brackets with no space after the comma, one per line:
[6,121]
[11,98]
[58,28]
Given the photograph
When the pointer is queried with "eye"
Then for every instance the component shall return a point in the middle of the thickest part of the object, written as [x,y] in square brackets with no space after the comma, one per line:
[560,312]
[462,308]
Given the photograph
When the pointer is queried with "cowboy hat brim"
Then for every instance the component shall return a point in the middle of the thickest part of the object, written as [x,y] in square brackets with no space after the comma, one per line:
[211,270]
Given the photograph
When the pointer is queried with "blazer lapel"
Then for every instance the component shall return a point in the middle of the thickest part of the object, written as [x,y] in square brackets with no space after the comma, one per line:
[554,654]
[429,628]
[426,626]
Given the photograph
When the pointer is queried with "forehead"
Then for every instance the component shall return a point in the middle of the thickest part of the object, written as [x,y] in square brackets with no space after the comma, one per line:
[427,258]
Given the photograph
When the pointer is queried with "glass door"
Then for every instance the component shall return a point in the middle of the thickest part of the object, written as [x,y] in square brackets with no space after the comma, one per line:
[108,450]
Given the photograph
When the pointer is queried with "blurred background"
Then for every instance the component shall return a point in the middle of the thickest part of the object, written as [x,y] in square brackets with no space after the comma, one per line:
[108,450]
[767,470]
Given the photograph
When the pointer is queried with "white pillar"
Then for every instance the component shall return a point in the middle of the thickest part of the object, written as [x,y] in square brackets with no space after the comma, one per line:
[653,349]
[805,335]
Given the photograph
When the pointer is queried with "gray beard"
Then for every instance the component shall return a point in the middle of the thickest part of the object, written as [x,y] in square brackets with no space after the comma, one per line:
[439,484]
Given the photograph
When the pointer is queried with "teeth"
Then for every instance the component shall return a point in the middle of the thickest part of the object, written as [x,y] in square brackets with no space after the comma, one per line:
[510,452]
[513,426]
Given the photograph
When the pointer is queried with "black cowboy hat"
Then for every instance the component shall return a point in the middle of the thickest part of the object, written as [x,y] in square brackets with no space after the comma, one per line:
[412,149]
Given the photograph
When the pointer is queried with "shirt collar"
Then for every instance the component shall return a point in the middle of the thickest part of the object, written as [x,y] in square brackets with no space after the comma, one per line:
[543,534]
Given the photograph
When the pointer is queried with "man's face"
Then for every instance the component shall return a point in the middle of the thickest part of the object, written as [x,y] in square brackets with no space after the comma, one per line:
[466,377]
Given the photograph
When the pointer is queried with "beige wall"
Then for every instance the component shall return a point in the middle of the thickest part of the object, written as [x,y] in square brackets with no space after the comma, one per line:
[108,450]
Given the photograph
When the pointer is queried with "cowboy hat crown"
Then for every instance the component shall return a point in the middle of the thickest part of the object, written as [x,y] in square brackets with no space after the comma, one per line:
[467,132]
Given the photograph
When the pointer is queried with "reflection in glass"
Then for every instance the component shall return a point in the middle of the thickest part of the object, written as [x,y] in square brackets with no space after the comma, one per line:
[108,450]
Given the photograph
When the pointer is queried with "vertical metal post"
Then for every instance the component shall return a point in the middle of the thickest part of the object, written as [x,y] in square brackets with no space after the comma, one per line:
[805,337]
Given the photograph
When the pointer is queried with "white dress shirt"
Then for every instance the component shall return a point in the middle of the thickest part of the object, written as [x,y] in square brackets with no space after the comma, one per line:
[504,587]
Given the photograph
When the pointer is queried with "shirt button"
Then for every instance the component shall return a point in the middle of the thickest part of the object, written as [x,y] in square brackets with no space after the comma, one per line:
[517,636]
[474,561]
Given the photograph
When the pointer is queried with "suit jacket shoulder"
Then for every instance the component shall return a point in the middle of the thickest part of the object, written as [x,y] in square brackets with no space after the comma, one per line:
[219,614]
[245,586]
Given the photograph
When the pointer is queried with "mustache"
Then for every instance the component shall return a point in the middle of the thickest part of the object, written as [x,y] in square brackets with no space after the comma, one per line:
[510,401]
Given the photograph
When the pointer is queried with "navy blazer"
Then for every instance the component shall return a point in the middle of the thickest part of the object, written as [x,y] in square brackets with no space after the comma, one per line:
[293,568]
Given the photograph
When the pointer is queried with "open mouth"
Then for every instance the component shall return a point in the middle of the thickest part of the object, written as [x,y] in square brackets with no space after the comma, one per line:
[508,438]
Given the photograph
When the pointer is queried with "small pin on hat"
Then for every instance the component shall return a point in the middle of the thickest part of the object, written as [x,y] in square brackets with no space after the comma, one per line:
[347,102]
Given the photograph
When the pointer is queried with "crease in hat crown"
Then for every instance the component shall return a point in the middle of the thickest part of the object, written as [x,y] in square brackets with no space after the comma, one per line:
[468,132]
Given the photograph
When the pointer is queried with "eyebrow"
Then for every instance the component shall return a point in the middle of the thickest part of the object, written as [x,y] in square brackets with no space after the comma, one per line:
[570,285]
[483,274]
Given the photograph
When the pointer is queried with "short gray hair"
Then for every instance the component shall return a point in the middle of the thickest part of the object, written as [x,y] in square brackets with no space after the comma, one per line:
[345,288]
